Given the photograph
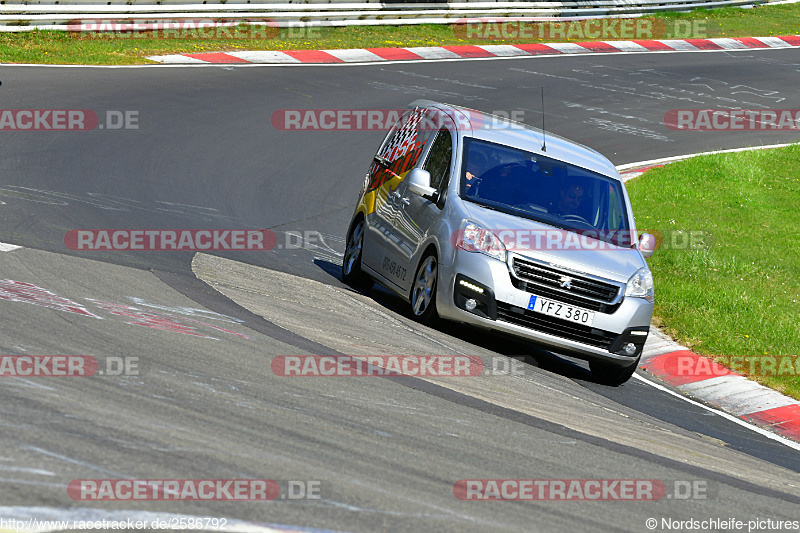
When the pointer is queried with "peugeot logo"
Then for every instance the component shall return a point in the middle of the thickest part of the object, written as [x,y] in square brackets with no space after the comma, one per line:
[566,282]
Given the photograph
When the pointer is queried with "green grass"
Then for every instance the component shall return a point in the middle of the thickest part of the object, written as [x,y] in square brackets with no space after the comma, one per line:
[738,294]
[54,47]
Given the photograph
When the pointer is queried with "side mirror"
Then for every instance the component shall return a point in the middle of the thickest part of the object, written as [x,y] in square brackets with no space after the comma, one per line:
[419,182]
[647,244]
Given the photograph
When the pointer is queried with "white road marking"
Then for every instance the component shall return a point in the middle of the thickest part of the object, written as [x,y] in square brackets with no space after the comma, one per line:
[737,394]
[8,247]
[73,461]
[177,58]
[433,52]
[626,46]
[723,414]
[681,45]
[626,166]
[503,50]
[354,55]
[728,44]
[265,57]
[774,42]
[568,48]
[34,471]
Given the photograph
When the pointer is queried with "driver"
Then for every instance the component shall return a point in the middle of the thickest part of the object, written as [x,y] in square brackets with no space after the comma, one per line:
[477,163]
[569,200]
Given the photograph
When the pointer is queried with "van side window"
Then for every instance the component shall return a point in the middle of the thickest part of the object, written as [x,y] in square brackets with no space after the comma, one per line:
[615,213]
[438,163]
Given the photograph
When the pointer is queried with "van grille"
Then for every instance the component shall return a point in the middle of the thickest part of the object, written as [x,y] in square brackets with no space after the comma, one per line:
[544,280]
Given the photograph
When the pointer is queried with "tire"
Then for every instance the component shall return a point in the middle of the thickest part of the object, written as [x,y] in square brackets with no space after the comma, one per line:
[351,262]
[423,292]
[611,374]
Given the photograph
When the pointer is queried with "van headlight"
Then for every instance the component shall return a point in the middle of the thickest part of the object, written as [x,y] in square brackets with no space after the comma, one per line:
[641,285]
[475,238]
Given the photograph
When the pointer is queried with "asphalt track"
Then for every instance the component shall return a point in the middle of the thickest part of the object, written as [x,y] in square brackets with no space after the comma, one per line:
[386,452]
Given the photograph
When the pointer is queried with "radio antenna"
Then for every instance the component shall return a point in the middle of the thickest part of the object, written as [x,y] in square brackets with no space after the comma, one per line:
[544,141]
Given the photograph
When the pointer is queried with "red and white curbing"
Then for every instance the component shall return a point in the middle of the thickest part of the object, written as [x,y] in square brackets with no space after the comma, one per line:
[376,55]
[714,384]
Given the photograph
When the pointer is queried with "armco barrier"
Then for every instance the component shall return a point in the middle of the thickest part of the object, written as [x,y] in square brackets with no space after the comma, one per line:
[57,14]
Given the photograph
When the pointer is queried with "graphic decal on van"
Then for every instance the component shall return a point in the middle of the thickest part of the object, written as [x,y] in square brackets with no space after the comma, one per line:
[400,154]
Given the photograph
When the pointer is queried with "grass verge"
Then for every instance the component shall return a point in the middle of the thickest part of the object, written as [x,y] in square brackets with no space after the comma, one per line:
[58,47]
[736,292]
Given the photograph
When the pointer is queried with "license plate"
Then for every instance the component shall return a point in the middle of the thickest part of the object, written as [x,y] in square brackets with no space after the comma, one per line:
[561,310]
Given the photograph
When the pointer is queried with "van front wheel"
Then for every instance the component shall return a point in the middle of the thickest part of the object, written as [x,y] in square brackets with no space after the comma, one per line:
[423,293]
[611,374]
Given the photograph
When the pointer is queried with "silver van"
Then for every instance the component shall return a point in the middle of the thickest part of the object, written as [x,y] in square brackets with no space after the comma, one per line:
[477,219]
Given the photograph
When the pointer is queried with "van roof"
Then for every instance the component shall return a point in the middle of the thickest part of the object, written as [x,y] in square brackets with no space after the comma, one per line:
[501,130]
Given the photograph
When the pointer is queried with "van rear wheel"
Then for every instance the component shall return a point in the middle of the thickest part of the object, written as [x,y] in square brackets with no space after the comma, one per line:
[351,262]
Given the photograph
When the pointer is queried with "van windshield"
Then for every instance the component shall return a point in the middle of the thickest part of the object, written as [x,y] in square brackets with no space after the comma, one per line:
[532,186]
